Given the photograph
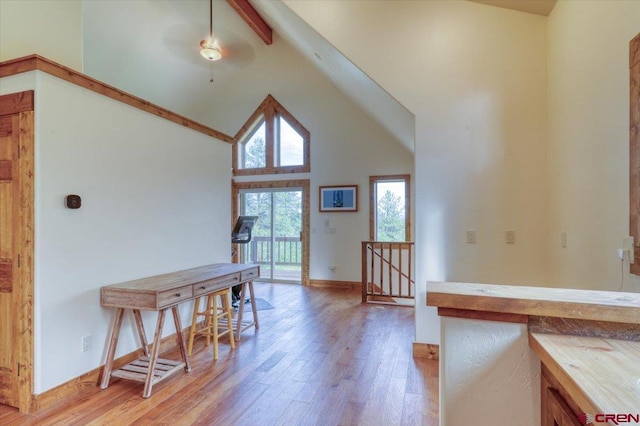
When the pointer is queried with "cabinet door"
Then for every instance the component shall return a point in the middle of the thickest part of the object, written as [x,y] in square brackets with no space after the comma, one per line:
[558,412]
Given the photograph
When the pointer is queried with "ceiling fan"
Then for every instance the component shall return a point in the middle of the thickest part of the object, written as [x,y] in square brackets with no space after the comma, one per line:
[224,50]
[209,47]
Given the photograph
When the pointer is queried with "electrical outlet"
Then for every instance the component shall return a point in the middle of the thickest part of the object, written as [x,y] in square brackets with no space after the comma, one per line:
[330,230]
[332,269]
[326,223]
[510,237]
[471,237]
[87,343]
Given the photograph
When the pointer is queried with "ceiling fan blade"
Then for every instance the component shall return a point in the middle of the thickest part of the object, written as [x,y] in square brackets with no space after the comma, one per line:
[183,41]
[236,52]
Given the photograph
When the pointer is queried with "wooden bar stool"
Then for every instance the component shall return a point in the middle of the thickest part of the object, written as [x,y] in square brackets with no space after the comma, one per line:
[212,314]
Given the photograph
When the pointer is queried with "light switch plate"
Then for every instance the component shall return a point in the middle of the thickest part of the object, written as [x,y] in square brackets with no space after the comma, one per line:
[510,237]
[471,237]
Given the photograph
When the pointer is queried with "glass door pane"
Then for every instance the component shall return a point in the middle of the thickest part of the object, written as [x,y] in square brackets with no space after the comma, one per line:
[287,246]
[258,251]
[275,243]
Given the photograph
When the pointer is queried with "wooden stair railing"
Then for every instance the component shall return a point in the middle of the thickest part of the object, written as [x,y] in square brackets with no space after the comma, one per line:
[386,272]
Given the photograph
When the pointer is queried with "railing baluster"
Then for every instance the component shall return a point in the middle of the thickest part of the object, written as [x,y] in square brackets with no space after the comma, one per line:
[371,286]
[399,270]
[389,263]
[381,268]
[363,272]
[410,280]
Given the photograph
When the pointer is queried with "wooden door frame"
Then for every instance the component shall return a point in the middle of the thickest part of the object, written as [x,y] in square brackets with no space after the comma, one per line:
[23,104]
[236,187]
[634,150]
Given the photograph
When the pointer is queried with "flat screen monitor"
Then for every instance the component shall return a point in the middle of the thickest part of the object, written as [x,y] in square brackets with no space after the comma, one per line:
[241,232]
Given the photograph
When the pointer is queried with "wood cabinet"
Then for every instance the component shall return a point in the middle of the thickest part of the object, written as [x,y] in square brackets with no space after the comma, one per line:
[588,378]
[558,409]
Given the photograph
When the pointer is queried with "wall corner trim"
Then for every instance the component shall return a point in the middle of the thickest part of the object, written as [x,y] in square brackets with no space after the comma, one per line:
[36,62]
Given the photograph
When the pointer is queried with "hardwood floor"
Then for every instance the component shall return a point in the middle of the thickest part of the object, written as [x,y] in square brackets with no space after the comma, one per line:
[320,357]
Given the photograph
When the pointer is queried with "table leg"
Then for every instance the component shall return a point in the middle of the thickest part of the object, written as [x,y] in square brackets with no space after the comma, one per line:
[243,293]
[240,311]
[148,384]
[141,333]
[111,350]
[181,344]
[253,305]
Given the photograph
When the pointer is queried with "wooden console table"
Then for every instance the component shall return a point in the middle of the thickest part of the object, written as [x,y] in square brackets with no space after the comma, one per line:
[161,293]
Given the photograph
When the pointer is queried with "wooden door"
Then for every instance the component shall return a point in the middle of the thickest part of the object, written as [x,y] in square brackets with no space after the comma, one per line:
[16,249]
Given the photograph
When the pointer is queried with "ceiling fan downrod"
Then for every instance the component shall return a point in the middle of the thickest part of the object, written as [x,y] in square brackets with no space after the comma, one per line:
[208,48]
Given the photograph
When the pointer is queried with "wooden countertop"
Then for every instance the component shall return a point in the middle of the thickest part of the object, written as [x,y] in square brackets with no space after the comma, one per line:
[601,375]
[539,301]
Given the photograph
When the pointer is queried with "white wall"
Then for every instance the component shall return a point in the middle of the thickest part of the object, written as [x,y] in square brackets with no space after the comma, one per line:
[588,104]
[347,146]
[475,78]
[50,28]
[488,374]
[155,195]
[154,200]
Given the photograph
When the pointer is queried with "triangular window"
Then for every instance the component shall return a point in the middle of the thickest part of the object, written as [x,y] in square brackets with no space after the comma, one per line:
[272,141]
[253,153]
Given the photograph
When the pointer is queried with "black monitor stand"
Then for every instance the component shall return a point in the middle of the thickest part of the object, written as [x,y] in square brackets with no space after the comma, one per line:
[241,234]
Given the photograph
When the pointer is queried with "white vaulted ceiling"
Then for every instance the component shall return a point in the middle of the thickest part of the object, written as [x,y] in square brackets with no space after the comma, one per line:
[134,45]
[150,48]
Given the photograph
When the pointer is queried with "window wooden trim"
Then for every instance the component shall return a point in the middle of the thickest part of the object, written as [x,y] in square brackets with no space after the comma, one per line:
[407,203]
[271,109]
[634,150]
[305,184]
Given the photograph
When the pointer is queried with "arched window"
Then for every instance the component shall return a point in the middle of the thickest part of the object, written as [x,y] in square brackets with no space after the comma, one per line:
[271,141]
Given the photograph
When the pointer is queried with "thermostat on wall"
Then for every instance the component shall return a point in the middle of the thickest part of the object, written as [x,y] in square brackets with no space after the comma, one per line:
[73,201]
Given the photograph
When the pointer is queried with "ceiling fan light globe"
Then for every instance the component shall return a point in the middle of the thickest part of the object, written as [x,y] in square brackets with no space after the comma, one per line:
[210,54]
[209,51]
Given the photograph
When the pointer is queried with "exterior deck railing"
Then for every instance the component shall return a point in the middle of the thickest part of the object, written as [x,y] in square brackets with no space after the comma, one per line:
[287,251]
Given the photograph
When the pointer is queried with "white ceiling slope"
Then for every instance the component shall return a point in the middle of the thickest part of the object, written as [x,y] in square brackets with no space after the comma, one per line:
[345,75]
[537,7]
[150,48]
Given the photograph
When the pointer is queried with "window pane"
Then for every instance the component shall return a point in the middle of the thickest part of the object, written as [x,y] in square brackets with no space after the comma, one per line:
[291,146]
[253,149]
[258,251]
[390,211]
[287,249]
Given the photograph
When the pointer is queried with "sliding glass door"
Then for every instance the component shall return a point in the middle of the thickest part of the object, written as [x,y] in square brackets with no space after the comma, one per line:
[275,245]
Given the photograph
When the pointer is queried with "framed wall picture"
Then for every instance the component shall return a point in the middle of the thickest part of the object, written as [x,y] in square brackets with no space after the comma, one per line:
[342,198]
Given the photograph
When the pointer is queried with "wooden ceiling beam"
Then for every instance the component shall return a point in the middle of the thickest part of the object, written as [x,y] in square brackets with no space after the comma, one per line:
[253,18]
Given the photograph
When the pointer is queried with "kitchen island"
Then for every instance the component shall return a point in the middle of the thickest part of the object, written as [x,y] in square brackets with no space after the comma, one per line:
[506,351]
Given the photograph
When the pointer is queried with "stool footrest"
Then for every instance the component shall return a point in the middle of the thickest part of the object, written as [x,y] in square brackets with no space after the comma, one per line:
[215,318]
